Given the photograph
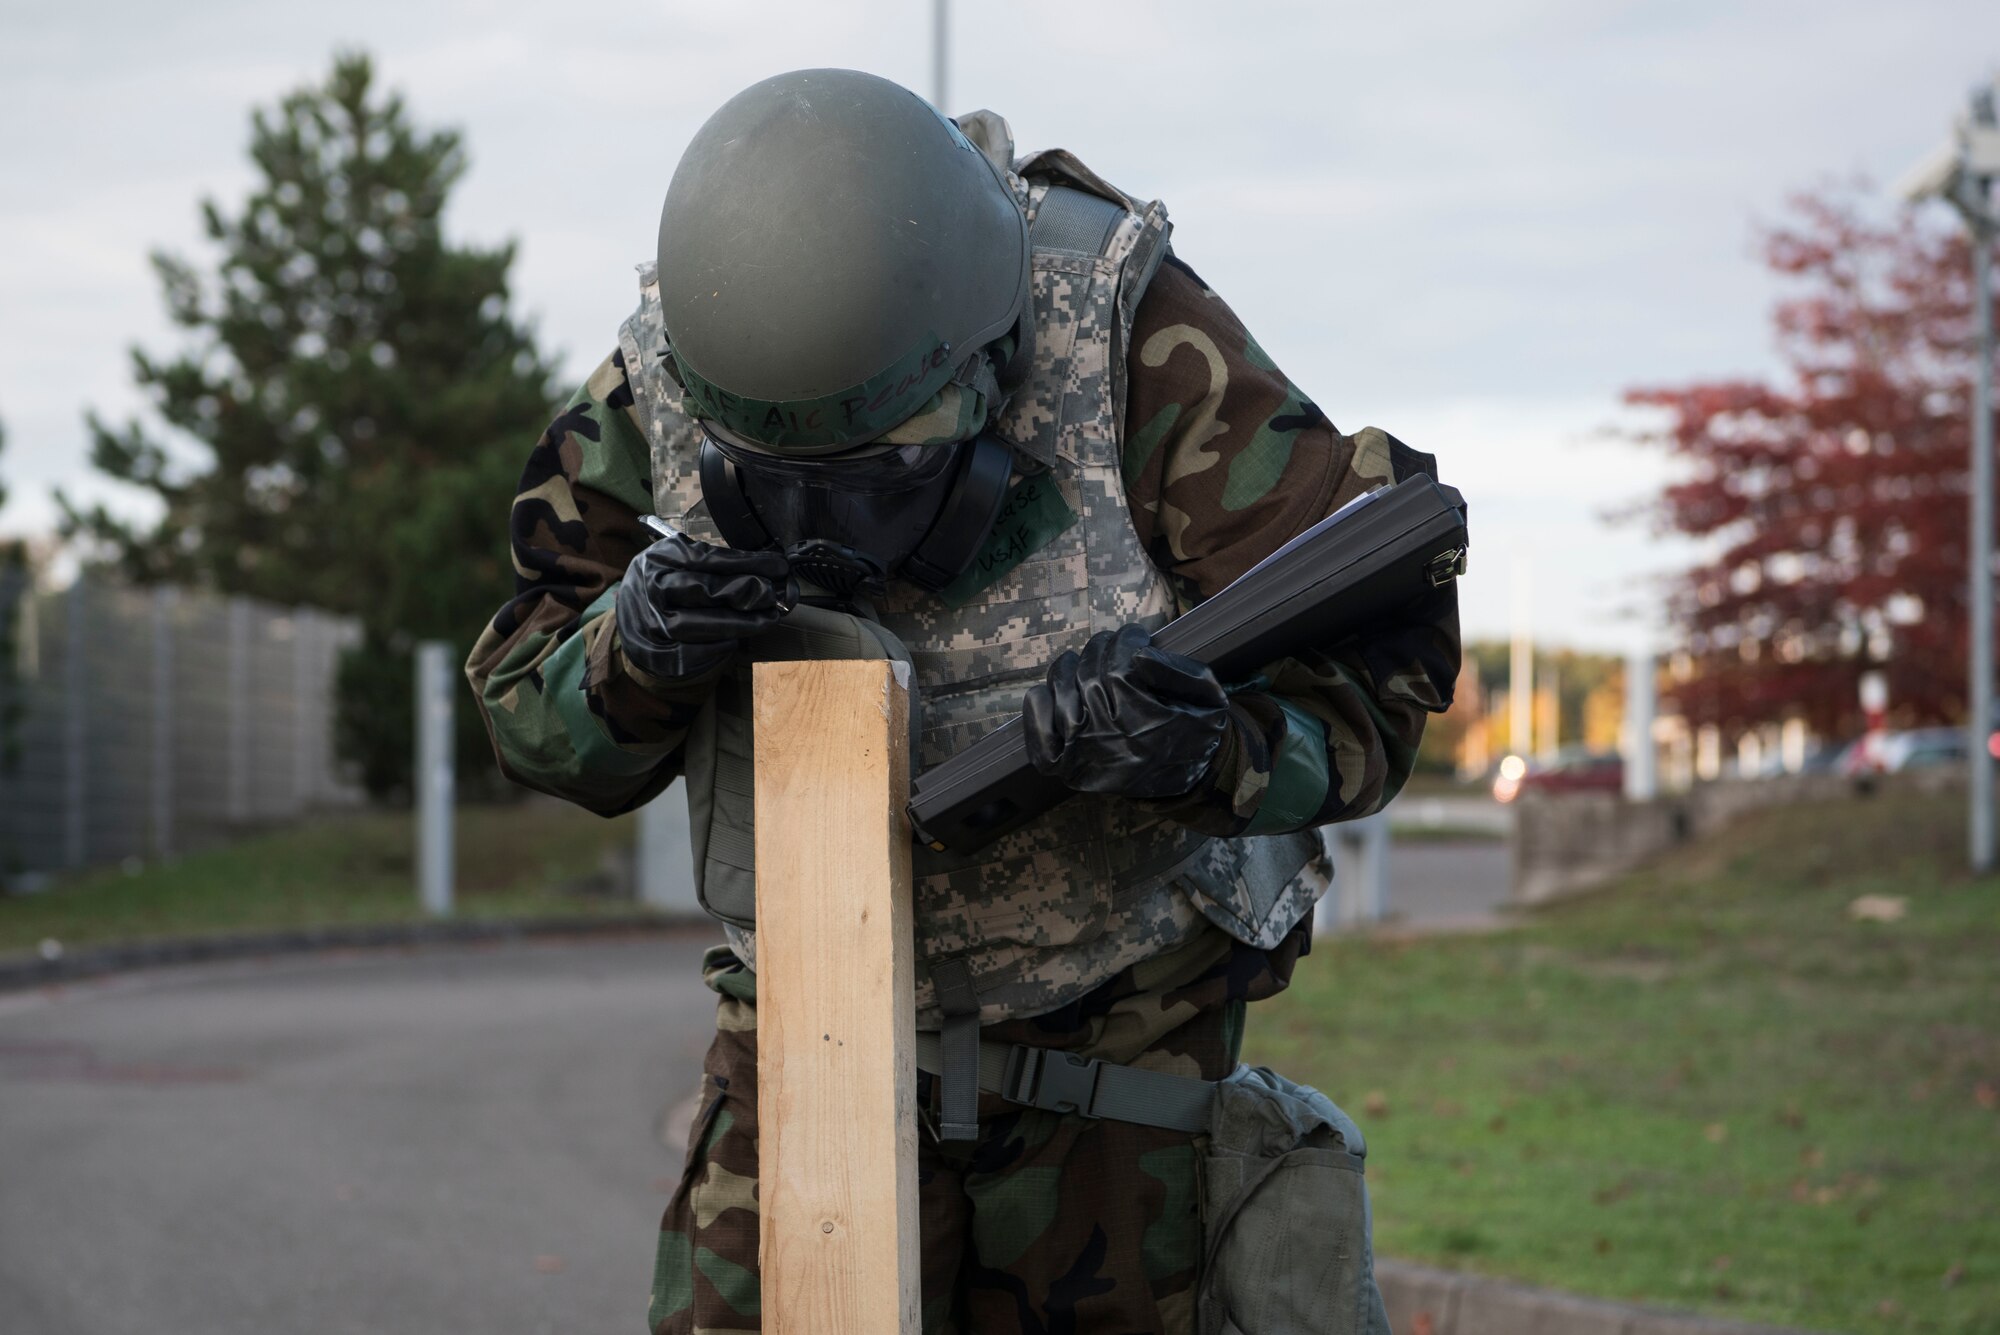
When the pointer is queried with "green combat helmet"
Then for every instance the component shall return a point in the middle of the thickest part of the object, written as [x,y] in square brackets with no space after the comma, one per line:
[843,277]
[833,253]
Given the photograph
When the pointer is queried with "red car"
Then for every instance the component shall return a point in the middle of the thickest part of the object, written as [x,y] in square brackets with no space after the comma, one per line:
[1572,770]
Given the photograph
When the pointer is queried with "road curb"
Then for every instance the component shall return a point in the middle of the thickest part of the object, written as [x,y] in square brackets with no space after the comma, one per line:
[24,972]
[1422,1300]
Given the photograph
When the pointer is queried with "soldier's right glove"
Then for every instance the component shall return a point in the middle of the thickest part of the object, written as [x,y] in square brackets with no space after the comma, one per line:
[1126,717]
[684,604]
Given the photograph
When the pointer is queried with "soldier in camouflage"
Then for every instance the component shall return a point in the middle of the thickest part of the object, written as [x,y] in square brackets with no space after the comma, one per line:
[1154,454]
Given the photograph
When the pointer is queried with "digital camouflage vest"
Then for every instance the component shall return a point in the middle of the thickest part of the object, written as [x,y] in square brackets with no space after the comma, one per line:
[1097,884]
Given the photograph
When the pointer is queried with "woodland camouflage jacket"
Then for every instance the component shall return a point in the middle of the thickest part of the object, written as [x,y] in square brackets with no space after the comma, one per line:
[1224,459]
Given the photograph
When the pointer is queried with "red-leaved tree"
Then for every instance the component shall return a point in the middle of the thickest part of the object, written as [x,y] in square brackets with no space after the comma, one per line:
[1835,501]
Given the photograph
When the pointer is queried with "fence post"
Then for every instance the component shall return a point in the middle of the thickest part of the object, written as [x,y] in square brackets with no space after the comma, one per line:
[303,626]
[434,781]
[163,722]
[76,783]
[836,1006]
[237,781]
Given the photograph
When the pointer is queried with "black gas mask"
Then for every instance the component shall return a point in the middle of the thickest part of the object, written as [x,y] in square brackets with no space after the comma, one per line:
[849,522]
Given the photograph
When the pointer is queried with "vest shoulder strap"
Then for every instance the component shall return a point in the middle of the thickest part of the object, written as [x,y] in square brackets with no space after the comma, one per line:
[1065,168]
[1076,221]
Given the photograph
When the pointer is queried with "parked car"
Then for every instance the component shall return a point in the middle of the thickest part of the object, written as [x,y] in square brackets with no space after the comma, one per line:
[1912,749]
[1861,757]
[1818,758]
[1571,770]
[1924,748]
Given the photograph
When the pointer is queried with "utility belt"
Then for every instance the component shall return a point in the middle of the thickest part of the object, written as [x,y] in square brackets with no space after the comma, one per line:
[1062,1082]
[1286,1246]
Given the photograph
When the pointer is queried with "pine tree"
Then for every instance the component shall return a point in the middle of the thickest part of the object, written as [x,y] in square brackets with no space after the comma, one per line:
[356,394]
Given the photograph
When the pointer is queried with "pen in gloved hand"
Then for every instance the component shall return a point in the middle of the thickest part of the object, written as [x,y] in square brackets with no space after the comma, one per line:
[660,527]
[787,597]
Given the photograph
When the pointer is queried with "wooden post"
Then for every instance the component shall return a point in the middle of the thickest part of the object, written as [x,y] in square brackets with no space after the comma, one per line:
[836,1017]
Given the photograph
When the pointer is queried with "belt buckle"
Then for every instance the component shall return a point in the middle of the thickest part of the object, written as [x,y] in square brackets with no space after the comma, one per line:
[1052,1080]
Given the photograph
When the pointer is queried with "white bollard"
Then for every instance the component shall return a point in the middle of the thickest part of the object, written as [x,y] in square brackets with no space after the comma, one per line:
[434,779]
[1360,851]
[1642,769]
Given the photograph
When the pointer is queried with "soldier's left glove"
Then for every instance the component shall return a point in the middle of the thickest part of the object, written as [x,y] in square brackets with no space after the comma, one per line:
[1126,717]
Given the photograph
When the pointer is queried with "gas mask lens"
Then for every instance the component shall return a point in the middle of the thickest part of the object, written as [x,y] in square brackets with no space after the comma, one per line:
[870,470]
[849,521]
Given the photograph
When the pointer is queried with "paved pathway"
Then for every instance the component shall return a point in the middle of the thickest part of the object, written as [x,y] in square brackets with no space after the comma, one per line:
[1452,881]
[1455,883]
[441,1140]
[445,1141]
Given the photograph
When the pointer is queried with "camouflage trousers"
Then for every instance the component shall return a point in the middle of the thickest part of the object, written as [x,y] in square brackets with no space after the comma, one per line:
[1048,1222]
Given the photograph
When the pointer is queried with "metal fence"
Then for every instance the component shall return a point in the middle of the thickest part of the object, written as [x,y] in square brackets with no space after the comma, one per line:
[147,722]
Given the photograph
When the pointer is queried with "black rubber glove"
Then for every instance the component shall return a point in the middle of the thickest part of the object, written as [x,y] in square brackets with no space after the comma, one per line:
[1125,717]
[684,604]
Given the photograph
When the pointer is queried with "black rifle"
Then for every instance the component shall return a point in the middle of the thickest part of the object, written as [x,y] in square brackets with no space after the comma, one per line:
[1363,563]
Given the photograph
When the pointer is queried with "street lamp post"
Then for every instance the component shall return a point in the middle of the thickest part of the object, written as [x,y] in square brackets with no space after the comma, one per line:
[1982,555]
[1961,173]
[940,54]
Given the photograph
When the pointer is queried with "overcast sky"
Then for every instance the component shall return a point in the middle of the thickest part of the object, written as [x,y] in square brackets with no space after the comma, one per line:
[1472,228]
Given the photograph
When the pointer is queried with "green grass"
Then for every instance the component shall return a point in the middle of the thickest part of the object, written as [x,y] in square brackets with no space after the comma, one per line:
[354,868]
[1706,1086]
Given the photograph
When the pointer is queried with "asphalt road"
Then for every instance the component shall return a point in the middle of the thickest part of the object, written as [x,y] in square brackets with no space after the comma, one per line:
[1453,884]
[448,1141]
